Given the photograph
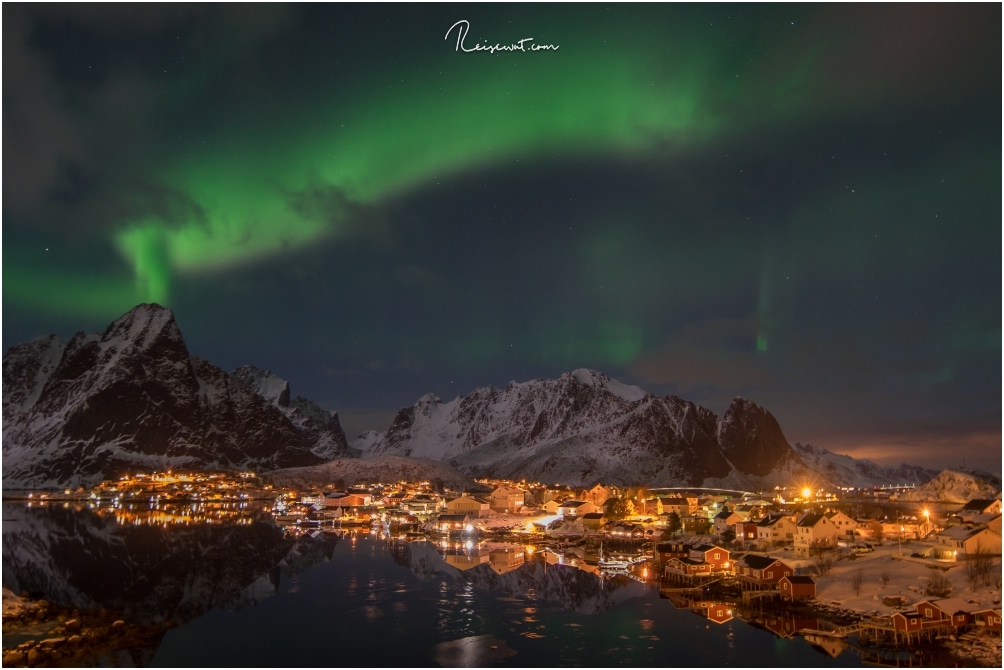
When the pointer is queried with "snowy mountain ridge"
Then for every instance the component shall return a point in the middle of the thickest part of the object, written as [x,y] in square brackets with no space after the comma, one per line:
[134,398]
[859,473]
[321,425]
[585,427]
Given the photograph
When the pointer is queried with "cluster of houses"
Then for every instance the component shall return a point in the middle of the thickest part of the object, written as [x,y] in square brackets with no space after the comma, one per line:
[944,615]
[973,529]
[753,525]
[757,574]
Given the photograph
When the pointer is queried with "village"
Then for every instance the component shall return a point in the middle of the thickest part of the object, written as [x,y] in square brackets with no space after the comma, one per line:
[899,578]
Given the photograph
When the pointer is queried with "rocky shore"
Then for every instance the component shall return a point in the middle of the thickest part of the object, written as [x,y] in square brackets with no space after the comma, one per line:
[37,634]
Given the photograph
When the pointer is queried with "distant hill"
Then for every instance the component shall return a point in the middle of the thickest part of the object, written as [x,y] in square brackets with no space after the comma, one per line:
[955,486]
[859,473]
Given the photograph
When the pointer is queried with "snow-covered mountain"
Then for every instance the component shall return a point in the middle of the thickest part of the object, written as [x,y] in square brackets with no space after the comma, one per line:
[319,425]
[954,486]
[860,473]
[585,427]
[133,398]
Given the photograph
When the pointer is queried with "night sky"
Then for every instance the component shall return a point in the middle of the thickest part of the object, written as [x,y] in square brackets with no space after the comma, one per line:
[798,204]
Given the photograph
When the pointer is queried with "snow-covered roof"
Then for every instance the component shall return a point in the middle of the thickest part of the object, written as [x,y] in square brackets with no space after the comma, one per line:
[953,605]
[961,532]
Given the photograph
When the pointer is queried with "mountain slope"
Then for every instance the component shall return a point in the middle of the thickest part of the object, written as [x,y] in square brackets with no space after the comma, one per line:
[585,427]
[319,425]
[952,486]
[859,473]
[132,398]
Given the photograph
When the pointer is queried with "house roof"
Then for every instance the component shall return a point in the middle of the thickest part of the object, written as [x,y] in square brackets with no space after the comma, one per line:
[758,562]
[810,520]
[707,547]
[593,515]
[953,605]
[452,517]
[799,579]
[673,501]
[961,532]
[687,560]
[573,503]
[978,504]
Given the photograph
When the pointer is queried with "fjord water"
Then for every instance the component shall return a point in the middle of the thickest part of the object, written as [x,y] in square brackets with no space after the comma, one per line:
[247,594]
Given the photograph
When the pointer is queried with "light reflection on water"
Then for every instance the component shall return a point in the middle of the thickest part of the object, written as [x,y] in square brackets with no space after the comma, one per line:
[364,601]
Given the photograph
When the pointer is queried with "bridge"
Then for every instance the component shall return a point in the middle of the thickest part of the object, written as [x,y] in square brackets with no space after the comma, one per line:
[702,489]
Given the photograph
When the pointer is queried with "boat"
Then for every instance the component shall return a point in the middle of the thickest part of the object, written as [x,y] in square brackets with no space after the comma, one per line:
[613,564]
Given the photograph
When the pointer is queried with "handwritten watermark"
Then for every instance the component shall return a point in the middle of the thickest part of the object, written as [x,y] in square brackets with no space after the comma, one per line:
[463,27]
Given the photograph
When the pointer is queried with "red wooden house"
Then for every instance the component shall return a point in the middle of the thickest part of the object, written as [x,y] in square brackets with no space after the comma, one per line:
[988,618]
[714,556]
[797,587]
[954,612]
[761,572]
[908,622]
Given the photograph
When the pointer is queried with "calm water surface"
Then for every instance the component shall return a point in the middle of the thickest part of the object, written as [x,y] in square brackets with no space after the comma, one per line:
[247,594]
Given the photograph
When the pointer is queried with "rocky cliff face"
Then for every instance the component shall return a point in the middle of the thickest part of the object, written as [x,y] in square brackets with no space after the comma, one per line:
[751,439]
[585,427]
[133,398]
[321,427]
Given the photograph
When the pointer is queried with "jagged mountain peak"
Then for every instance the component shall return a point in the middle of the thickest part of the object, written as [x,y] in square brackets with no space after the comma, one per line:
[321,426]
[267,384]
[599,380]
[133,398]
[581,427]
[144,326]
[752,440]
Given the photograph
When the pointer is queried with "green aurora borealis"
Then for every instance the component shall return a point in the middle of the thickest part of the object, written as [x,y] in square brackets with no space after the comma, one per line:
[793,203]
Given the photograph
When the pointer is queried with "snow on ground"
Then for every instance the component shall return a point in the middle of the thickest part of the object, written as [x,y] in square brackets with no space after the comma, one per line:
[523,522]
[903,575]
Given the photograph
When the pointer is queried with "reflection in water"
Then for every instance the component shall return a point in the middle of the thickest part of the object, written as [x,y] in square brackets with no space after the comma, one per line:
[154,574]
[477,651]
[377,601]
